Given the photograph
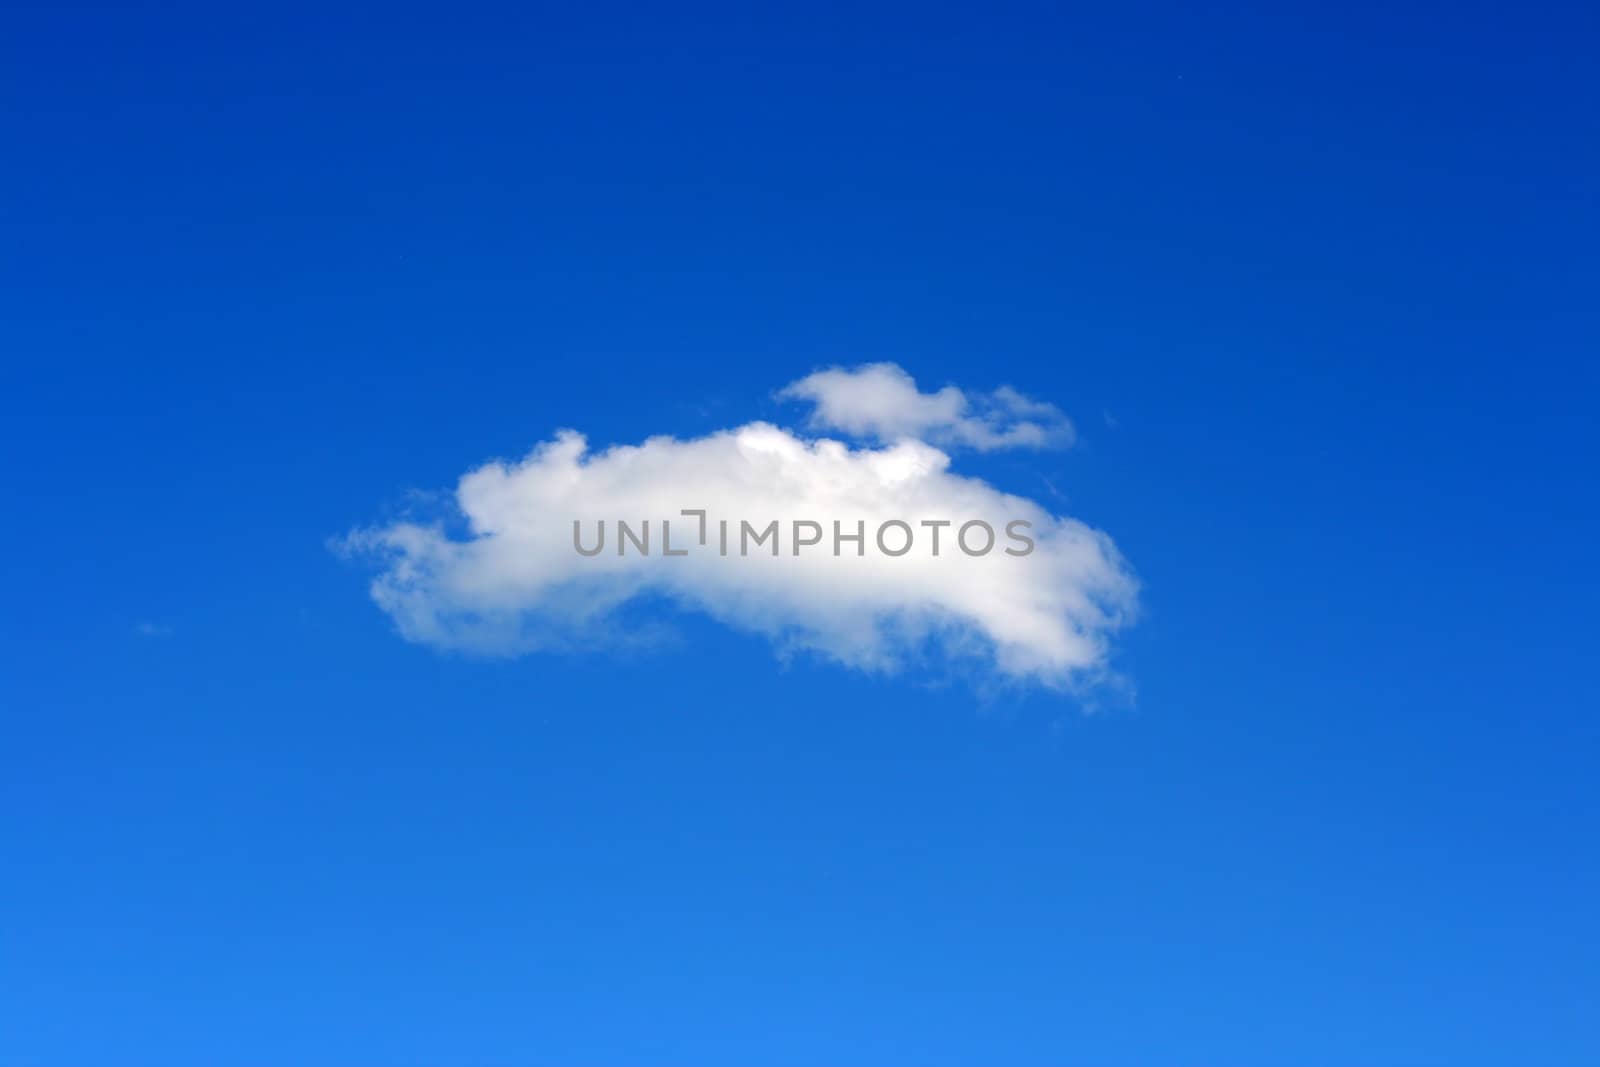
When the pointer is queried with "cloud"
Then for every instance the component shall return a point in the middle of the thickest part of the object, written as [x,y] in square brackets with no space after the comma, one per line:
[882,401]
[154,630]
[511,580]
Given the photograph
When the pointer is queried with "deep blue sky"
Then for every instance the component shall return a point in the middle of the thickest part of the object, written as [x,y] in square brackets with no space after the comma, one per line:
[1318,287]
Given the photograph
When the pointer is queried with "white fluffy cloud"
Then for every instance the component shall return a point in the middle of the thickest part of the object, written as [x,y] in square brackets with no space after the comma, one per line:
[513,581]
[882,401]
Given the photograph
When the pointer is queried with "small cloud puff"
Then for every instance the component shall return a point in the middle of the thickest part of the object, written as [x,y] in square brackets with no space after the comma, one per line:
[881,401]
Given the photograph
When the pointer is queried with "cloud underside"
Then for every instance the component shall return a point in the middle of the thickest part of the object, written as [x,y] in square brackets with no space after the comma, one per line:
[513,582]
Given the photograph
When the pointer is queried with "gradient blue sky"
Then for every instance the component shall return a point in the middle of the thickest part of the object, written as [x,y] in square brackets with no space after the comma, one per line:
[1317,285]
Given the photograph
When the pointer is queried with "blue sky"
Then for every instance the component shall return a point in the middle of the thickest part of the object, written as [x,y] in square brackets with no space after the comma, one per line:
[1315,287]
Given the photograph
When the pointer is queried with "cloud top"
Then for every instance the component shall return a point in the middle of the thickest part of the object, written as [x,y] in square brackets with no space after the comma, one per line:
[514,581]
[881,401]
